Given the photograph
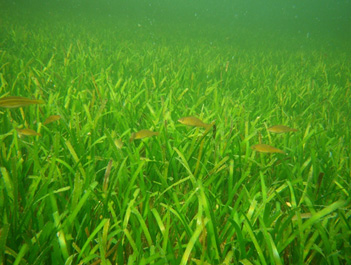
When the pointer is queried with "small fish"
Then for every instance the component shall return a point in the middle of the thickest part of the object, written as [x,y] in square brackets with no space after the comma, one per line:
[265,148]
[281,129]
[17,102]
[142,134]
[51,119]
[302,216]
[27,132]
[193,121]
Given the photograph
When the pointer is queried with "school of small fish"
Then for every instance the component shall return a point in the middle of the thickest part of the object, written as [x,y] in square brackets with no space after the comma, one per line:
[18,102]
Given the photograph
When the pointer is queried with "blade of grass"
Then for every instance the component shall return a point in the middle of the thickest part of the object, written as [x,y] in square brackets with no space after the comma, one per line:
[91,237]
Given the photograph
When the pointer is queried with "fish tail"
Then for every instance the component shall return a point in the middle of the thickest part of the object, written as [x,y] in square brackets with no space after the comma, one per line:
[39,101]
[208,126]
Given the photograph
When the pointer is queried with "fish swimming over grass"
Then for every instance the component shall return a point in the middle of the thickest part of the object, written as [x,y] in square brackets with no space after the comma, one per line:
[265,148]
[27,132]
[193,121]
[281,129]
[196,122]
[17,102]
[51,119]
[142,134]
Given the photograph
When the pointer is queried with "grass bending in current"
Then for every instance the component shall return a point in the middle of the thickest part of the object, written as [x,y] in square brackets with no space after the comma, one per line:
[72,196]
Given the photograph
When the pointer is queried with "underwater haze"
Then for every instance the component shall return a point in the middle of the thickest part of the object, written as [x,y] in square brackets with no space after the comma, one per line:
[242,24]
[175,132]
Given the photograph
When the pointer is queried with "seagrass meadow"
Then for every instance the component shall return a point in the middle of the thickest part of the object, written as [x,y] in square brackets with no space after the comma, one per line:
[97,166]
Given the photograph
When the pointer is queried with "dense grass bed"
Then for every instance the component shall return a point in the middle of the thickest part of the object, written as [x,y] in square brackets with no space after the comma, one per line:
[74,196]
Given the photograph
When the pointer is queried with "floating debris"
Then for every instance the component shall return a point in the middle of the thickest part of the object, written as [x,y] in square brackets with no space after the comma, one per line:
[142,134]
[51,119]
[17,102]
[265,148]
[281,129]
